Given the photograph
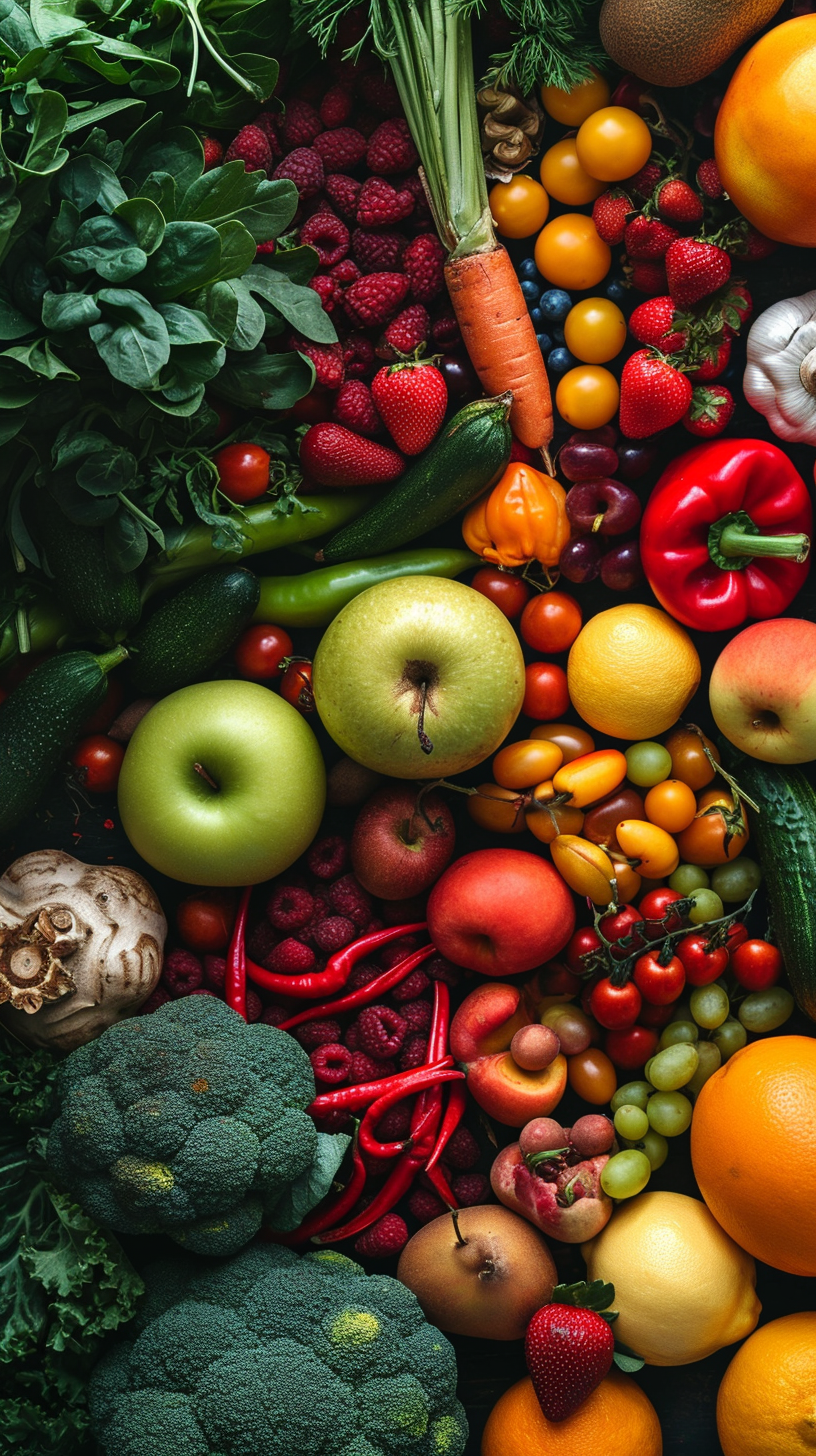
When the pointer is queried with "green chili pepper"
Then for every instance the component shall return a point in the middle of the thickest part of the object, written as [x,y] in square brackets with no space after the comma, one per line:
[315,598]
[46,624]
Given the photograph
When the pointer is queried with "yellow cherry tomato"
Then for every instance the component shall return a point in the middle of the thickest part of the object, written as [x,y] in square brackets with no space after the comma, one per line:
[587,397]
[564,177]
[570,254]
[654,849]
[671,805]
[586,867]
[547,820]
[595,330]
[592,1076]
[521,765]
[574,106]
[500,810]
[519,208]
[592,777]
[628,882]
[613,143]
[573,742]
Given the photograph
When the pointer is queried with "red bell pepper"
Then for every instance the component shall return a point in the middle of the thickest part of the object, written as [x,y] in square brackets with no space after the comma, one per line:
[726,534]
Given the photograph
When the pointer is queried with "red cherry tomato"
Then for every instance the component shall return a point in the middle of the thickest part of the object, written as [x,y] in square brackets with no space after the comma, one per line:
[243,471]
[100,719]
[615,1007]
[737,935]
[659,984]
[656,1015]
[756,964]
[700,964]
[99,760]
[296,686]
[260,651]
[204,921]
[582,942]
[654,907]
[506,591]
[631,1049]
[615,927]
[545,692]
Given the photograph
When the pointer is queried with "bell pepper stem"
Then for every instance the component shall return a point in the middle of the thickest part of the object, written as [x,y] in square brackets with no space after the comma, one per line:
[736,542]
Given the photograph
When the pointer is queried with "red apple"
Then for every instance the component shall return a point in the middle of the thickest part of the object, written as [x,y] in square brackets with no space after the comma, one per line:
[500,911]
[401,843]
[763,690]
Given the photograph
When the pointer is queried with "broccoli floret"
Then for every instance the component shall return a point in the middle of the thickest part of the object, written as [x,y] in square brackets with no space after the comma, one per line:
[192,1123]
[268,1354]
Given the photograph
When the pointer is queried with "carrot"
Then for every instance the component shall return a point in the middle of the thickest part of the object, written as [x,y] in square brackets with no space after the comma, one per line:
[500,339]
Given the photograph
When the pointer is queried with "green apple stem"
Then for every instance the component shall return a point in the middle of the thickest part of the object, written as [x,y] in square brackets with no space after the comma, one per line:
[460,1239]
[208,778]
[424,741]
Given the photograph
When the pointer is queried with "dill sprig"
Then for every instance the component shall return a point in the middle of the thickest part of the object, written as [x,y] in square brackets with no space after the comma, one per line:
[554,42]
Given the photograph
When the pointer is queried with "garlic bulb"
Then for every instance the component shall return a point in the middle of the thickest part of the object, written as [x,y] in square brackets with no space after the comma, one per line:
[780,376]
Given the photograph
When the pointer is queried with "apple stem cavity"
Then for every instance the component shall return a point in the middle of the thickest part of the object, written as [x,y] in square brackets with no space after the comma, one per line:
[424,741]
[460,1238]
[207,777]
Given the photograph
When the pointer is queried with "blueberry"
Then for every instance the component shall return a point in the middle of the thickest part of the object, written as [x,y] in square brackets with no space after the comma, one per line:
[616,291]
[555,304]
[527,269]
[559,336]
[560,360]
[537,319]
[544,343]
[530,290]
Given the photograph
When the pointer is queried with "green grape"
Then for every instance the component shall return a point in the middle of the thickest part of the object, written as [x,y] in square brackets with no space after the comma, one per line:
[676,1033]
[687,878]
[631,1122]
[729,1038]
[646,1072]
[709,1059]
[766,1010]
[647,764]
[681,1011]
[626,1174]
[669,1113]
[632,1094]
[655,1147]
[709,1005]
[674,1067]
[735,881]
[707,906]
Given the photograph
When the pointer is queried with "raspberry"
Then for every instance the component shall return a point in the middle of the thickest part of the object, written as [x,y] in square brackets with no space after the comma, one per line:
[367,122]
[335,1121]
[379,204]
[404,912]
[343,193]
[352,1039]
[362,975]
[342,149]
[462,1151]
[440,969]
[392,954]
[327,291]
[254,1006]
[202,991]
[470,1189]
[423,261]
[387,1237]
[183,973]
[413,986]
[336,106]
[345,273]
[290,908]
[348,897]
[365,1069]
[292,958]
[382,1031]
[327,359]
[445,330]
[267,247]
[406,333]
[328,236]
[355,408]
[328,857]
[396,1124]
[313,1034]
[709,180]
[268,124]
[650,278]
[304,167]
[414,1052]
[417,1014]
[275,1014]
[644,182]
[359,356]
[215,973]
[213,153]
[301,124]
[373,926]
[378,90]
[331,1062]
[391,149]
[333,933]
[378,252]
[158,997]
[261,942]
[425,1206]
[413,184]
[252,148]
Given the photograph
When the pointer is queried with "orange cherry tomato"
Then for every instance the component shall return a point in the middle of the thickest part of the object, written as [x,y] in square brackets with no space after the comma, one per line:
[707,841]
[586,867]
[592,777]
[573,742]
[564,178]
[551,621]
[628,882]
[671,805]
[595,330]
[689,763]
[545,690]
[521,765]
[519,208]
[587,396]
[592,1076]
[655,850]
[613,143]
[574,106]
[547,820]
[570,254]
[500,810]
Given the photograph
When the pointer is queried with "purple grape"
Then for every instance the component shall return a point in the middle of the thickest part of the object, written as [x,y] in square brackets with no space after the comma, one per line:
[587,460]
[637,459]
[459,376]
[580,559]
[621,568]
[604,506]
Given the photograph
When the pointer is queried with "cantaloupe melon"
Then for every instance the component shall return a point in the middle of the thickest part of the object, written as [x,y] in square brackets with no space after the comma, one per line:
[677,42]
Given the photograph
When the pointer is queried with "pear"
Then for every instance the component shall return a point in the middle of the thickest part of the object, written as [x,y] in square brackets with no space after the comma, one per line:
[678,42]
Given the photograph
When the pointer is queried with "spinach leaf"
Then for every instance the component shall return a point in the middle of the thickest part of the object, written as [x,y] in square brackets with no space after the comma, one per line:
[132,337]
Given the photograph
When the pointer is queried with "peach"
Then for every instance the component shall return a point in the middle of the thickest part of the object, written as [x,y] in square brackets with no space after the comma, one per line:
[487,1021]
[568,1204]
[481,1034]
[763,690]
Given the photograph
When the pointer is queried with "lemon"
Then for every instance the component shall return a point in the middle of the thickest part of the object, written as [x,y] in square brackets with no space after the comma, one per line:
[683,1288]
[631,671]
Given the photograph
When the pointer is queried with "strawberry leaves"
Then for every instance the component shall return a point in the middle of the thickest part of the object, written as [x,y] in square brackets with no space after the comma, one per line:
[598,1296]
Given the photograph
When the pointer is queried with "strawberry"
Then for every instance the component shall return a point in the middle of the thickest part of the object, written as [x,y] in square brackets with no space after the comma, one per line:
[737,307]
[252,148]
[411,399]
[709,180]
[710,410]
[649,278]
[213,153]
[374,299]
[695,269]
[714,360]
[647,238]
[652,323]
[753,246]
[568,1352]
[644,182]
[653,394]
[609,214]
[333,455]
[678,203]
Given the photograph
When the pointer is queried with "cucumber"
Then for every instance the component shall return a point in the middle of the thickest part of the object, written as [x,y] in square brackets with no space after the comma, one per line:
[100,599]
[40,720]
[188,633]
[464,460]
[784,832]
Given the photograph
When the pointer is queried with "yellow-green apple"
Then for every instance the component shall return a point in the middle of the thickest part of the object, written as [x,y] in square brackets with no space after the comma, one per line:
[500,912]
[552,1175]
[223,783]
[419,677]
[482,1032]
[401,843]
[763,690]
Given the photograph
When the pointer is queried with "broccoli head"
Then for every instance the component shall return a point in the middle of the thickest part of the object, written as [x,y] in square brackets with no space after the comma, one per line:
[269,1354]
[192,1123]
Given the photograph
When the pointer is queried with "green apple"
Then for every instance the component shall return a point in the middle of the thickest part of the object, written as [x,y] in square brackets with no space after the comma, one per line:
[419,677]
[223,783]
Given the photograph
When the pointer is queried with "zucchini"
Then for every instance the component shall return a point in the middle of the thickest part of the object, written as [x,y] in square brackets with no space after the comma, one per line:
[100,599]
[784,832]
[314,598]
[188,633]
[40,720]
[464,460]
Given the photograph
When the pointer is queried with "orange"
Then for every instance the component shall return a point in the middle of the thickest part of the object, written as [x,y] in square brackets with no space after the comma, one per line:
[631,671]
[767,1400]
[616,1420]
[765,137]
[753,1145]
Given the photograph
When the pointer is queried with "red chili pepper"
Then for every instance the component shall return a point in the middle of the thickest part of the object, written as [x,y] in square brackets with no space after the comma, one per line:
[455,1111]
[354,1099]
[438,1181]
[338,967]
[725,534]
[235,977]
[432,1078]
[328,1211]
[437,1048]
[396,1184]
[365,995]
